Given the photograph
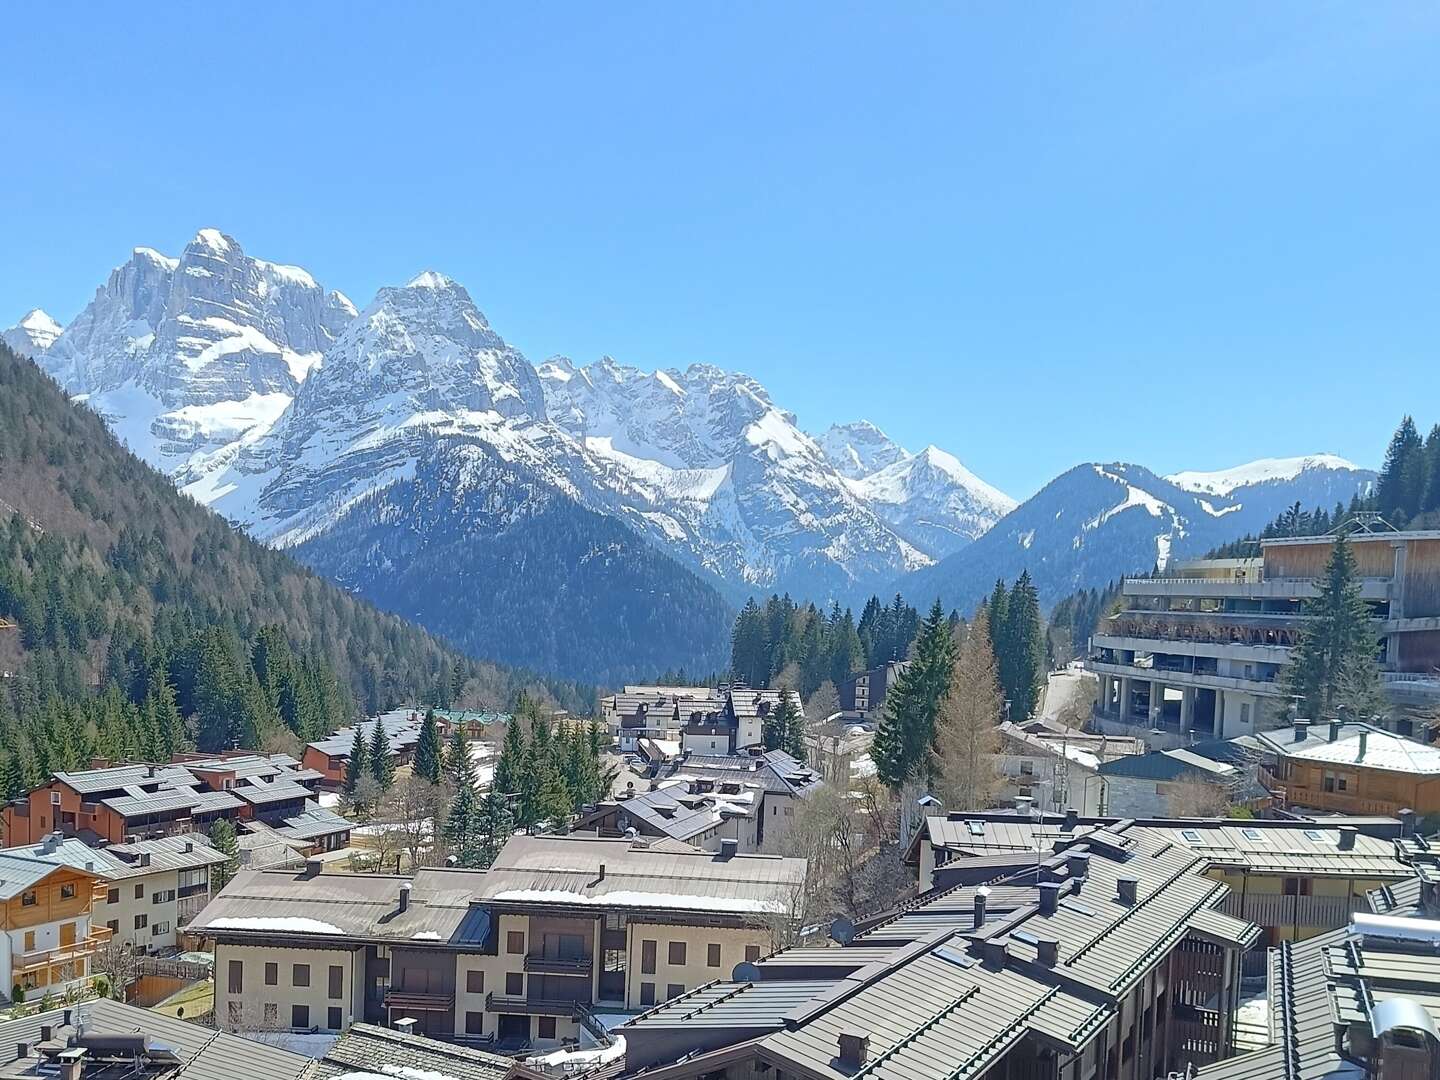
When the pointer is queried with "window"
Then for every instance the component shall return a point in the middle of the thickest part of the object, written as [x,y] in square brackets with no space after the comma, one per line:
[114,925]
[712,955]
[29,940]
[237,977]
[677,954]
[614,920]
[67,890]
[474,1023]
[337,982]
[163,897]
[333,1020]
[1190,836]
[515,941]
[673,990]
[1027,768]
[474,982]
[514,984]
[28,898]
[140,891]
[647,994]
[272,1013]
[752,953]
[546,1029]
[300,976]
[160,929]
[272,974]
[1336,781]
[113,896]
[141,921]
[54,798]
[299,1016]
[1313,834]
[1250,834]
[647,957]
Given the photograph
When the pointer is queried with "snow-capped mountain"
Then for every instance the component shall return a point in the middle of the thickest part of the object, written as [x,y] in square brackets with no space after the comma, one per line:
[1263,471]
[859,449]
[933,501]
[1100,521]
[188,356]
[33,335]
[929,499]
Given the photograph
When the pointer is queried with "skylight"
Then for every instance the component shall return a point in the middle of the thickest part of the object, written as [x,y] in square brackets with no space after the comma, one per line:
[1190,835]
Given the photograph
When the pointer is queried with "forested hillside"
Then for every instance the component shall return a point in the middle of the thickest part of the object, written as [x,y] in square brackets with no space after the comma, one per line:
[133,621]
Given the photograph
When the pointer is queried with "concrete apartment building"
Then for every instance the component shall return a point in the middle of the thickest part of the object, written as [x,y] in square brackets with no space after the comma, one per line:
[48,934]
[519,954]
[1103,956]
[146,891]
[1292,879]
[1200,649]
[863,694]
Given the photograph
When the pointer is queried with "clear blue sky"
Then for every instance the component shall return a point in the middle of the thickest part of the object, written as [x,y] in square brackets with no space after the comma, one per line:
[1180,234]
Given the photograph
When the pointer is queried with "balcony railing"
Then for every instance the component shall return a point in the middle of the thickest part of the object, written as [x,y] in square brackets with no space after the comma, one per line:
[533,1006]
[429,1000]
[557,965]
[187,907]
[1276,910]
[44,958]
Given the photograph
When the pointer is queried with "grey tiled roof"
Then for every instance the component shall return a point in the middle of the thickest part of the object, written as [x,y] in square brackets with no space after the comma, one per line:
[376,1050]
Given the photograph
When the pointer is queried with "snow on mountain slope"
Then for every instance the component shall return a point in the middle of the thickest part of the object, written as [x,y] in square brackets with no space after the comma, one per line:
[763,505]
[933,501]
[188,356]
[33,335]
[859,449]
[1263,471]
[1098,522]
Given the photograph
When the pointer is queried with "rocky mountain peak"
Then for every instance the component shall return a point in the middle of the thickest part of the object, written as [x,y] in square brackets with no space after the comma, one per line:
[33,335]
[860,448]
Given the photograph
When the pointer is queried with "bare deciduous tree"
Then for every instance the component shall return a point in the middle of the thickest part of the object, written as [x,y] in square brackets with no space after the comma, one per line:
[119,964]
[966,738]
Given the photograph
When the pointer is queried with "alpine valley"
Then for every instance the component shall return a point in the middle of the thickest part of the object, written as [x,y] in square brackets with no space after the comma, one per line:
[411,454]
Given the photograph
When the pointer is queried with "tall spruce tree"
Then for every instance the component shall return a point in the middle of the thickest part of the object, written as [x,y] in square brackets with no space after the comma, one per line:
[382,765]
[462,831]
[789,726]
[1334,661]
[1402,476]
[907,728]
[224,840]
[429,750]
[358,764]
[1023,665]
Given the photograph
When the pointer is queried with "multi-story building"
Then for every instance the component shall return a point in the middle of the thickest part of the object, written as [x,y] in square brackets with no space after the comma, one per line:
[48,934]
[702,720]
[517,954]
[1102,956]
[863,693]
[1362,1001]
[1349,768]
[123,803]
[1292,878]
[147,890]
[1056,766]
[1200,649]
[328,757]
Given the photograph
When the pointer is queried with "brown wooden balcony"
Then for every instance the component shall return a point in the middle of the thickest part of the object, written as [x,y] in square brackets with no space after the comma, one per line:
[537,964]
[62,954]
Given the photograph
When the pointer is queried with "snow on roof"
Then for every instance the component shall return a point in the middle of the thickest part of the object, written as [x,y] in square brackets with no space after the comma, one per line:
[293,924]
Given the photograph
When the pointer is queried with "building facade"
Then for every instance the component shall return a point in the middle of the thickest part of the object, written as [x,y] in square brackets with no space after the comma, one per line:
[522,953]
[1199,651]
[48,935]
[1350,768]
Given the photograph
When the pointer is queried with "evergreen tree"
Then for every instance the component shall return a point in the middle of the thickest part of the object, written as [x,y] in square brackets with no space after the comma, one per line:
[510,770]
[458,763]
[495,826]
[382,765]
[462,831]
[1333,663]
[1402,477]
[907,728]
[551,802]
[790,726]
[1430,497]
[358,764]
[999,608]
[1022,666]
[429,751]
[224,840]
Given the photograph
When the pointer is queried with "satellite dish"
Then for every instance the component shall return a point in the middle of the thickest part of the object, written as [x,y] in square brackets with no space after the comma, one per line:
[745,972]
[842,930]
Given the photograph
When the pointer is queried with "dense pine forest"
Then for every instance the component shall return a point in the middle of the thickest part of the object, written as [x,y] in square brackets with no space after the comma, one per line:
[135,622]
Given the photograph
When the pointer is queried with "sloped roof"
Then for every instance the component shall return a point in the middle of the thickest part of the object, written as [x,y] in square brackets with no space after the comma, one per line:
[378,1050]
